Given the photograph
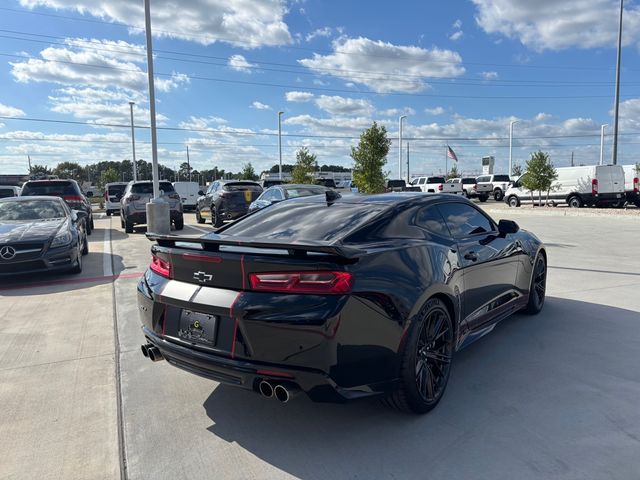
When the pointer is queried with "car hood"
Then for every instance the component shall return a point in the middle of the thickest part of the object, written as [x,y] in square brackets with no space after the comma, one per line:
[35,231]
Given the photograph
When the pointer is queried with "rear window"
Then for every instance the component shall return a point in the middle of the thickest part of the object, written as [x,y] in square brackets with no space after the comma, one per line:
[395,183]
[56,189]
[304,192]
[147,188]
[468,181]
[116,189]
[7,192]
[304,220]
[436,180]
[241,187]
[501,178]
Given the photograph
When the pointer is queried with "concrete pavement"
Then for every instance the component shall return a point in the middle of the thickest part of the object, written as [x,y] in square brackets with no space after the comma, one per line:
[552,396]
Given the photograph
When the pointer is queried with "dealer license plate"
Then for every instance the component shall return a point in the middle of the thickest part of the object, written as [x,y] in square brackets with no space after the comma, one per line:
[198,328]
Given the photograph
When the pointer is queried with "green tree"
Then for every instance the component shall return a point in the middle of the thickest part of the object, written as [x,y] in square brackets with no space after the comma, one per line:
[454,172]
[248,173]
[108,176]
[540,175]
[516,170]
[70,170]
[37,170]
[305,166]
[370,157]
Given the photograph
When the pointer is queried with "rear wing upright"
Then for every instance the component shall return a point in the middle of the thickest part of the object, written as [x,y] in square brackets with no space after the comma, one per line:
[213,242]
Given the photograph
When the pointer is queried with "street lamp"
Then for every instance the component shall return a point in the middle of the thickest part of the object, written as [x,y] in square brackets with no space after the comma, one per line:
[602,127]
[402,117]
[614,156]
[280,144]
[133,144]
[511,124]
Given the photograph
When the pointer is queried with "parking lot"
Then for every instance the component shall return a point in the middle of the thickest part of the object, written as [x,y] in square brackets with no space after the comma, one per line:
[551,396]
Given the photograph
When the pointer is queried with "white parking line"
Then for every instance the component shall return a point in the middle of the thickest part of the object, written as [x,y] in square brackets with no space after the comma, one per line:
[107,269]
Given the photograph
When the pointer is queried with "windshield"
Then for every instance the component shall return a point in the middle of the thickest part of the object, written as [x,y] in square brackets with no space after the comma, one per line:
[147,188]
[57,189]
[116,189]
[501,178]
[304,191]
[31,210]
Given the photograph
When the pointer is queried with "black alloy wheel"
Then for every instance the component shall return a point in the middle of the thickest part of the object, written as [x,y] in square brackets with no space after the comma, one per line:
[85,244]
[498,195]
[538,288]
[426,362]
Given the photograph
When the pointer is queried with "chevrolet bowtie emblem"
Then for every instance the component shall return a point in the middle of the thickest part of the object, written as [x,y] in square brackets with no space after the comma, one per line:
[202,277]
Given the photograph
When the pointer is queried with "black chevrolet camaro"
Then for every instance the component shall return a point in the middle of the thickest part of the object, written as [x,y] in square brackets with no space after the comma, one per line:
[40,233]
[340,298]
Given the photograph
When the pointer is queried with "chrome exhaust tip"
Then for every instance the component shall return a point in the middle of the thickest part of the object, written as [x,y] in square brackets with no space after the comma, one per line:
[266,389]
[145,349]
[154,354]
[281,393]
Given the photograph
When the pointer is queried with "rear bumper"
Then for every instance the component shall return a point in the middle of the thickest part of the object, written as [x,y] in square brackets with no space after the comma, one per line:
[137,217]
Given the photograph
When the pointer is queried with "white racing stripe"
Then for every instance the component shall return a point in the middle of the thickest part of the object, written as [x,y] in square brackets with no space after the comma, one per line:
[107,270]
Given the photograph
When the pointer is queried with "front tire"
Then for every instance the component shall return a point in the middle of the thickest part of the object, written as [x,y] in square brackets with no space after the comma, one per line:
[217,219]
[78,267]
[538,286]
[514,201]
[128,226]
[482,198]
[426,360]
[199,218]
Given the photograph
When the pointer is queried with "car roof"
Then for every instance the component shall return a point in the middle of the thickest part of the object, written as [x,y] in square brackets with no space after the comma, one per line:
[390,199]
[300,185]
[52,180]
[238,181]
[32,197]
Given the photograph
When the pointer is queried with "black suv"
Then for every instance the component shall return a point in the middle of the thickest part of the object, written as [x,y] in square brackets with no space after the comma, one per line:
[226,200]
[68,190]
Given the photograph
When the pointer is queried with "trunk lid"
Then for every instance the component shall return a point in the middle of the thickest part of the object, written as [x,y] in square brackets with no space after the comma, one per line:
[610,178]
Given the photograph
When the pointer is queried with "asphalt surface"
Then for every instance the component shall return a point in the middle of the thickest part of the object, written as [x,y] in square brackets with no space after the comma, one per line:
[553,396]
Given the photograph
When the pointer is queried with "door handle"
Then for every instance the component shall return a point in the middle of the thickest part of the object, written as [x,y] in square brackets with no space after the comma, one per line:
[471,256]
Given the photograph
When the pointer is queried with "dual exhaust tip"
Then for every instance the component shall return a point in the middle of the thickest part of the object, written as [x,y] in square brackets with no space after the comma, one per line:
[281,392]
[151,352]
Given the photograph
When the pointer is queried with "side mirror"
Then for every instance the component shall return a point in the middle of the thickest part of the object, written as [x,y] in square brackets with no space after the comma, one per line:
[200,192]
[507,226]
[77,215]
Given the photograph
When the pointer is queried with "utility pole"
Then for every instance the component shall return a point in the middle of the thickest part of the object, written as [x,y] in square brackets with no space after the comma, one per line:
[158,220]
[408,178]
[617,101]
[402,117]
[511,124]
[280,144]
[572,158]
[133,144]
[188,164]
[602,127]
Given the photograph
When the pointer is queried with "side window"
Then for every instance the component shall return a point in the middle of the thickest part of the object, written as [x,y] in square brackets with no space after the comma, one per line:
[464,220]
[421,181]
[429,218]
[268,196]
[277,194]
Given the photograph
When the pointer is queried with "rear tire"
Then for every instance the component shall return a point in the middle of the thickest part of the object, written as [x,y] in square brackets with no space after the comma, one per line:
[85,245]
[217,219]
[575,202]
[498,195]
[482,198]
[426,360]
[179,223]
[199,218]
[537,287]
[128,226]
[108,212]
[514,201]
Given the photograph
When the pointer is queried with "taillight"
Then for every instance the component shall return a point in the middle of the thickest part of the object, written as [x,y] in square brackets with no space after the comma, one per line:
[636,185]
[320,282]
[133,198]
[594,186]
[160,266]
[106,196]
[440,187]
[72,198]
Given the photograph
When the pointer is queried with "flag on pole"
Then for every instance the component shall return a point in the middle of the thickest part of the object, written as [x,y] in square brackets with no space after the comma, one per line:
[451,154]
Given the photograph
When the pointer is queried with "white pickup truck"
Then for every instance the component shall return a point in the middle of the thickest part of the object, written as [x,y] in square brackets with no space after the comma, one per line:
[492,186]
[436,185]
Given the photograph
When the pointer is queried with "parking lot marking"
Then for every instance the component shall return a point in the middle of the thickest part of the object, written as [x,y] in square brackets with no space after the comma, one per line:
[107,269]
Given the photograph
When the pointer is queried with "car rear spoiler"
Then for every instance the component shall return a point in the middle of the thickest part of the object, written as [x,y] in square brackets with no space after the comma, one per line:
[212,243]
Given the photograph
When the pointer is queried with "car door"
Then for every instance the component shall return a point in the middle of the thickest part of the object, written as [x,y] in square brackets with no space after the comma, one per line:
[489,262]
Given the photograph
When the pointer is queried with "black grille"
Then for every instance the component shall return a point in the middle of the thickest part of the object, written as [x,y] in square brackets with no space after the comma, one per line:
[17,267]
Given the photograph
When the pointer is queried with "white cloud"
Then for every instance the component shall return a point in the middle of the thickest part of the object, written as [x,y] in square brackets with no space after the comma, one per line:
[489,75]
[392,112]
[8,111]
[337,105]
[457,25]
[557,25]
[260,106]
[239,63]
[299,96]
[457,35]
[629,114]
[320,32]
[434,111]
[82,65]
[247,23]
[390,68]
[543,117]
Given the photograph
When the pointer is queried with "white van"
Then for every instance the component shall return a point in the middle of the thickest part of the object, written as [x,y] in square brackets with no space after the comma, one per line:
[632,184]
[591,185]
[112,195]
[188,192]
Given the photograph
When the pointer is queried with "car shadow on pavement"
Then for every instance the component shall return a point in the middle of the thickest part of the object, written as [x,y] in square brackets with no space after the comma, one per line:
[540,396]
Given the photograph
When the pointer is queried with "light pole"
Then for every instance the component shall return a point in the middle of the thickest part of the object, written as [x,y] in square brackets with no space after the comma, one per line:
[617,105]
[602,127]
[280,144]
[133,143]
[158,220]
[511,124]
[402,117]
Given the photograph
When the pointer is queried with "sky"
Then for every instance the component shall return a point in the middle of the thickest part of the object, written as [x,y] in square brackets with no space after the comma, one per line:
[460,71]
